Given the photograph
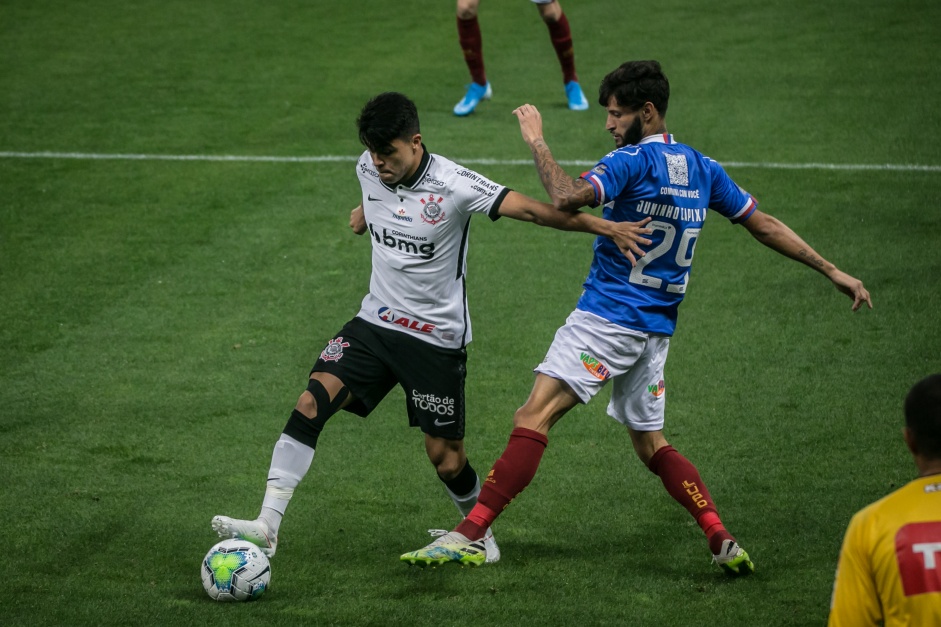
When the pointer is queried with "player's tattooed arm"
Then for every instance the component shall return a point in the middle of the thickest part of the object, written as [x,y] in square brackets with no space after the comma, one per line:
[567,193]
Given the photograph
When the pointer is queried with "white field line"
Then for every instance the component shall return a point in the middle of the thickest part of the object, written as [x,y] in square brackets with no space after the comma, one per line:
[345,158]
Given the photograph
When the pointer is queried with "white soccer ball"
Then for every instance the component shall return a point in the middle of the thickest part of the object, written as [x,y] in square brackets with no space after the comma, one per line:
[235,570]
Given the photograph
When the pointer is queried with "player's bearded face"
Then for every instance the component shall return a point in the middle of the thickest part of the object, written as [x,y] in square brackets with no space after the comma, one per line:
[623,124]
[627,132]
[633,134]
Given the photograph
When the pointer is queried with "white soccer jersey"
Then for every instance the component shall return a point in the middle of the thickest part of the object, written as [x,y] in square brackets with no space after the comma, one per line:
[419,232]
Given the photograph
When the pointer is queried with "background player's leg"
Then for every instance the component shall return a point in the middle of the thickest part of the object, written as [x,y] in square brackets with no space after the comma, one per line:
[561,35]
[468,32]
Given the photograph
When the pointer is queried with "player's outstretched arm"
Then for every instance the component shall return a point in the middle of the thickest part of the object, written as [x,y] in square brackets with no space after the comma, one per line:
[628,236]
[779,237]
[567,193]
[358,220]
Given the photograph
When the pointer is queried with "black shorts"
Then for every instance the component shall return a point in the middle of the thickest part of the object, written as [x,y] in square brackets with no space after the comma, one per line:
[370,360]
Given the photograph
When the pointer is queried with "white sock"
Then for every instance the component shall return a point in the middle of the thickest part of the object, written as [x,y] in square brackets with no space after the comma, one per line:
[290,461]
[466,502]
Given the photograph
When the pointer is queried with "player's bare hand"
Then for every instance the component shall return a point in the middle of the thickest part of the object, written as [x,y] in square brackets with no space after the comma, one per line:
[629,237]
[358,220]
[530,122]
[853,288]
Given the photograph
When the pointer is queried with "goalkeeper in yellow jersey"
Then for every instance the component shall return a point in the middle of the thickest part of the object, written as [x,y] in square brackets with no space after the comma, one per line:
[890,564]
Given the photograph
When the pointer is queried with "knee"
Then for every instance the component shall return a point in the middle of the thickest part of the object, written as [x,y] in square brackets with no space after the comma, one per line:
[306,404]
[527,419]
[466,9]
[550,13]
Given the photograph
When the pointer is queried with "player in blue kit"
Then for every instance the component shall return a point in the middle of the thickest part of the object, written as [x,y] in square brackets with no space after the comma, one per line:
[621,327]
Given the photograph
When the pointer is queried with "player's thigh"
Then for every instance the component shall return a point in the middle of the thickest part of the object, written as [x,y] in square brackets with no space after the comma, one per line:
[354,358]
[638,397]
[588,351]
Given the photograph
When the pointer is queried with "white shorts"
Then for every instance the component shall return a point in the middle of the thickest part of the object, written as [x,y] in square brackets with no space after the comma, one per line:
[589,351]
[542,1]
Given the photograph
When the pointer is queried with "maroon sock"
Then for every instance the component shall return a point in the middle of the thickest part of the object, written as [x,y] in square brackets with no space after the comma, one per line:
[509,476]
[683,483]
[561,36]
[468,33]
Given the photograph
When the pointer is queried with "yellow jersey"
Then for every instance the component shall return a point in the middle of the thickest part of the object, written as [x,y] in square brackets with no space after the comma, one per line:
[890,564]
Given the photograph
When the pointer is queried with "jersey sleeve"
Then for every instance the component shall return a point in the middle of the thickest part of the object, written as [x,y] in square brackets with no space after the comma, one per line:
[475,193]
[611,175]
[727,198]
[855,600]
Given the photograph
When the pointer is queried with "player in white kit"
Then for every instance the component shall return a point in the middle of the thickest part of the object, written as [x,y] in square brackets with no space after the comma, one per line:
[620,330]
[413,326]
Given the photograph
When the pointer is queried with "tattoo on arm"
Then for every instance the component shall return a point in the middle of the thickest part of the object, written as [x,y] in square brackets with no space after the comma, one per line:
[810,258]
[559,185]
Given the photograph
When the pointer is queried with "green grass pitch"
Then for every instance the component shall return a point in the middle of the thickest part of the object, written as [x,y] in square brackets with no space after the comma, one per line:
[157,318]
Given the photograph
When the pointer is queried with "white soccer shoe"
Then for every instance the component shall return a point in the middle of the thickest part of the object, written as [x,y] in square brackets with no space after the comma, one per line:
[255,531]
[490,544]
[734,560]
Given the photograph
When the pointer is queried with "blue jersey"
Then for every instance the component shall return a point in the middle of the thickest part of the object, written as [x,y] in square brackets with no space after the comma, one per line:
[675,185]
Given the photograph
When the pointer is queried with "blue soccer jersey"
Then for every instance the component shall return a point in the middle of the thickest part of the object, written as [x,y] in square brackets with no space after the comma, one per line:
[675,185]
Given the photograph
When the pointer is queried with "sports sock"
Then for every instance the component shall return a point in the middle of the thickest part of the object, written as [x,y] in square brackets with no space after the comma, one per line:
[290,461]
[561,36]
[463,489]
[468,33]
[509,476]
[683,483]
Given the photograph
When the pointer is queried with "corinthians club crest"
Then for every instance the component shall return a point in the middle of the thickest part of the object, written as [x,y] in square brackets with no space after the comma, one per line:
[334,350]
[431,211]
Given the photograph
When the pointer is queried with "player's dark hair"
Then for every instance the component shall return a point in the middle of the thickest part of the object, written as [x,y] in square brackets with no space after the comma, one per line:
[635,83]
[923,415]
[385,118]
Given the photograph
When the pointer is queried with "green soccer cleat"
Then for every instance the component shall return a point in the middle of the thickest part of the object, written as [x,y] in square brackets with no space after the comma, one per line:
[255,531]
[734,560]
[453,548]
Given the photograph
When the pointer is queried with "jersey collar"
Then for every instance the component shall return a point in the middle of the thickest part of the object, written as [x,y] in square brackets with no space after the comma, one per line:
[419,173]
[659,138]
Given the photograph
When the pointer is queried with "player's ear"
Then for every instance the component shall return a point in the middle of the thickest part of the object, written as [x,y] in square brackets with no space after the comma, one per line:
[416,141]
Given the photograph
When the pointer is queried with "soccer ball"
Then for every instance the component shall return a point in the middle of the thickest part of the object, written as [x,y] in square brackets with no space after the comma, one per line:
[235,570]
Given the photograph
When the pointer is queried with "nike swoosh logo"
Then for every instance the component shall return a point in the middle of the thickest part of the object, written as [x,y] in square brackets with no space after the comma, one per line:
[369,197]
[442,424]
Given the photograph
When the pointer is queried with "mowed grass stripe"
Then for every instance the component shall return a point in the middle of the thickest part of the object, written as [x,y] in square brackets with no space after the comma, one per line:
[896,167]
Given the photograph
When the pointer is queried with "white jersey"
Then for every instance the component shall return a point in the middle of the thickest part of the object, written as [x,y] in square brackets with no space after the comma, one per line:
[419,232]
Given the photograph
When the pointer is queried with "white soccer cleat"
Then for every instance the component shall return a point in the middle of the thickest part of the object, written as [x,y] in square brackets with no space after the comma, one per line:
[490,544]
[452,547]
[493,551]
[255,531]
[734,560]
